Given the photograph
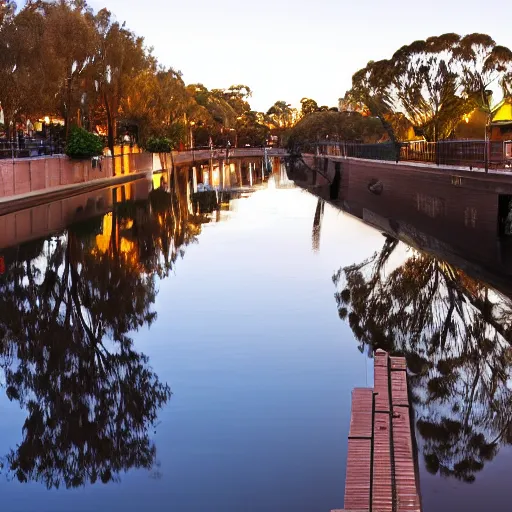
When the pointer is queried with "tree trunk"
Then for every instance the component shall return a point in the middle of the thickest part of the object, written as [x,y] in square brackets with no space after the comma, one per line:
[110,126]
[7,122]
[391,134]
[471,399]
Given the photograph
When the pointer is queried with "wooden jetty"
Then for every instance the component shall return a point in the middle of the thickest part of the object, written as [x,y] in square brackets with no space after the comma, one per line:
[381,472]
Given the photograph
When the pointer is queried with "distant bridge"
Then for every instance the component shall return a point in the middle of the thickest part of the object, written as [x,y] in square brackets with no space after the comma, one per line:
[192,155]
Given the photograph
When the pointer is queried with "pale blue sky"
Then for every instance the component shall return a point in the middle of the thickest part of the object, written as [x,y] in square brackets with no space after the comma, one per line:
[286,49]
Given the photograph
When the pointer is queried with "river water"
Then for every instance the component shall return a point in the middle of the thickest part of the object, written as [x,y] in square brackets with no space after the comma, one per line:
[159,357]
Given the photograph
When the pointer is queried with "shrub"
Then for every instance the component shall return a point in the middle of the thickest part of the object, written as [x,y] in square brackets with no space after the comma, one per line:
[83,144]
[158,145]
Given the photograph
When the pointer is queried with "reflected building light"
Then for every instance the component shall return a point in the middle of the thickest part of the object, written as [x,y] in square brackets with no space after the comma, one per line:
[103,239]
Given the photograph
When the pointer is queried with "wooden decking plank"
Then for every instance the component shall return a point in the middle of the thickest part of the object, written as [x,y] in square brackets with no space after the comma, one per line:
[357,484]
[361,414]
[407,494]
[382,490]
[390,477]
[380,358]
[399,395]
[381,381]
[381,388]
[397,363]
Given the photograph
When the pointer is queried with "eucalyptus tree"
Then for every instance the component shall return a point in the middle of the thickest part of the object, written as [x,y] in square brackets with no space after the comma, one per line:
[252,129]
[71,40]
[426,87]
[434,82]
[370,87]
[237,96]
[120,57]
[343,126]
[22,62]
[308,106]
[482,64]
[281,115]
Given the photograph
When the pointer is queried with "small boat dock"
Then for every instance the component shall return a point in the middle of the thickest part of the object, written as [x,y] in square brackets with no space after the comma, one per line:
[381,470]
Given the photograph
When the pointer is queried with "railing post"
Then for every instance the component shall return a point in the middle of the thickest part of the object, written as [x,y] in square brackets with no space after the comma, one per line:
[486,153]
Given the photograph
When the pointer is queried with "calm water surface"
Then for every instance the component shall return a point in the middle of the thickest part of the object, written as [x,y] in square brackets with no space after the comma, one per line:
[236,312]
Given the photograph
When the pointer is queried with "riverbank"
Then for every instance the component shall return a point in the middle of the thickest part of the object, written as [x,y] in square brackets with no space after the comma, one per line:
[26,182]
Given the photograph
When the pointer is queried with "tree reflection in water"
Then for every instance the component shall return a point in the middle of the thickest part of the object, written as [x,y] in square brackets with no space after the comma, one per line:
[67,307]
[455,333]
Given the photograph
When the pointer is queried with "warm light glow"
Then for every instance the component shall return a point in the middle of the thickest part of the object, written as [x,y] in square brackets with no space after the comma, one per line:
[46,119]
[466,117]
[103,239]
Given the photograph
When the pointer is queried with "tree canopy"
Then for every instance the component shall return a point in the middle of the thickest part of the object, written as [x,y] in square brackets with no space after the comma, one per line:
[60,58]
[348,126]
[434,82]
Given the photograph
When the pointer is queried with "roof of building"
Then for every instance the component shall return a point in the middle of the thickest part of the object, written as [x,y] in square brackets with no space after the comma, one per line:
[502,112]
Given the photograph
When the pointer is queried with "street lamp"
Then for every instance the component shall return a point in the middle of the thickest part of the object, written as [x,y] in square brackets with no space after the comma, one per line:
[192,124]
[236,136]
[47,121]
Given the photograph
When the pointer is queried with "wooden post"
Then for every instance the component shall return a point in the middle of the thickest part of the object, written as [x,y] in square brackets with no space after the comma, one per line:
[194,179]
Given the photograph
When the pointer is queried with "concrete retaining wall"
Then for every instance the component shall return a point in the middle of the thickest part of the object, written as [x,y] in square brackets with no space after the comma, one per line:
[25,175]
[459,206]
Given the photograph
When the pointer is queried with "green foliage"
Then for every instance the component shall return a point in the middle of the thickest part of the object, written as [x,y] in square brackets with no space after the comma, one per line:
[93,71]
[83,144]
[347,126]
[281,115]
[308,106]
[158,145]
[176,133]
[433,83]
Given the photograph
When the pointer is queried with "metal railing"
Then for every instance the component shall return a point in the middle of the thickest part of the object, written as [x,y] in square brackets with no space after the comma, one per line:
[461,153]
[29,147]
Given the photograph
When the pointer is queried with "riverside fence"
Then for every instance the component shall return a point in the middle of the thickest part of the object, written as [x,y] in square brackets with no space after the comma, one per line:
[461,153]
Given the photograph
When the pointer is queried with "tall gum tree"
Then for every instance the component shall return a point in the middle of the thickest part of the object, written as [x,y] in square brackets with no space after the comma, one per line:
[433,83]
[22,63]
[70,39]
[120,56]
